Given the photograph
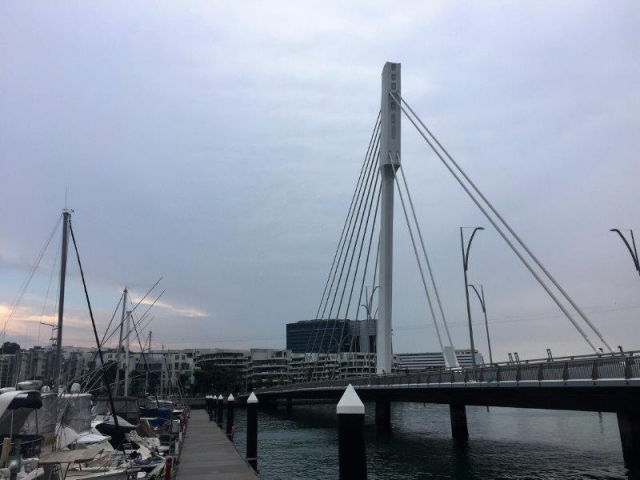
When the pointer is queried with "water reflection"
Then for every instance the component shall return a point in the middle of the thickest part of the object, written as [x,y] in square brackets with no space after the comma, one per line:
[504,443]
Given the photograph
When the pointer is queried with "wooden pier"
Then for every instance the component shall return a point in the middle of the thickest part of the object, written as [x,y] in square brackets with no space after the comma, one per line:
[207,453]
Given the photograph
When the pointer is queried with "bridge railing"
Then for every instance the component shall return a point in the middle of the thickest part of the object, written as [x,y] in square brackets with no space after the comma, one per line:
[618,366]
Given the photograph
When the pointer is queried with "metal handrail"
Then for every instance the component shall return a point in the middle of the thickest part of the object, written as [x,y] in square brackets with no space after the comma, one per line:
[585,367]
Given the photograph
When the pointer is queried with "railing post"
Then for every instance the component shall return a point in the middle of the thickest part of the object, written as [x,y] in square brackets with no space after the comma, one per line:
[594,371]
[540,373]
[518,373]
[498,374]
[565,371]
[628,370]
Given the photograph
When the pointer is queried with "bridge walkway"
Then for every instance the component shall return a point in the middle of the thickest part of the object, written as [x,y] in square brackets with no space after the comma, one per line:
[207,453]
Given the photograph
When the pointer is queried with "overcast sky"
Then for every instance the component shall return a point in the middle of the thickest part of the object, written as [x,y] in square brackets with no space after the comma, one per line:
[217,144]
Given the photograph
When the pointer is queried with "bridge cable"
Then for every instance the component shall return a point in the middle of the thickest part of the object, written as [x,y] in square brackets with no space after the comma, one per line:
[373,135]
[375,276]
[368,207]
[366,228]
[515,235]
[352,227]
[371,174]
[340,246]
[415,251]
[368,165]
[364,277]
[502,234]
[362,242]
[426,257]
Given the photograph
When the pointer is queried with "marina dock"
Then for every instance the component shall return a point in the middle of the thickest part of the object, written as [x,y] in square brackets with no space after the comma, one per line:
[207,453]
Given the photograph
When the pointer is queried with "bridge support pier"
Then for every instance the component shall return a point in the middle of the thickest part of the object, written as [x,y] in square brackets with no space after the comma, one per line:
[289,405]
[383,413]
[629,426]
[458,414]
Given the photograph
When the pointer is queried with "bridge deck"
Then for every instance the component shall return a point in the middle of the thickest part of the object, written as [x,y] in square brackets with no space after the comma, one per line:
[207,453]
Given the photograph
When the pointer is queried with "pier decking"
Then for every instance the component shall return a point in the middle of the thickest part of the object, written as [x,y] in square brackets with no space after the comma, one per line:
[207,453]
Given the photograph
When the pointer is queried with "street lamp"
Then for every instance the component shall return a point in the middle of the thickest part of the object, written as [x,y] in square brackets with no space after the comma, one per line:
[633,251]
[486,323]
[465,265]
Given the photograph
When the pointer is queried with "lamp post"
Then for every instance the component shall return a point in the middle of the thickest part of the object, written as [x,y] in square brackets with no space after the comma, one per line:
[486,323]
[633,251]
[465,265]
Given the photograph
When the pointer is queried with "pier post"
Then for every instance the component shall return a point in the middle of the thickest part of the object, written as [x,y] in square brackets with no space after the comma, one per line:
[219,408]
[168,468]
[252,431]
[458,414]
[352,451]
[383,412]
[629,426]
[209,402]
[230,403]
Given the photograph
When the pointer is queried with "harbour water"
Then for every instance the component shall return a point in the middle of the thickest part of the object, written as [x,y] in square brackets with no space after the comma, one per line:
[504,443]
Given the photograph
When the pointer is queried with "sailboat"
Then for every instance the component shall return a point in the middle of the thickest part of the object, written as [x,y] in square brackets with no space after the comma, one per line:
[58,430]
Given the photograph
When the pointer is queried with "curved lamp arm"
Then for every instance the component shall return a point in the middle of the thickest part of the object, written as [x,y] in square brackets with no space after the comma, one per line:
[633,254]
[484,310]
[466,258]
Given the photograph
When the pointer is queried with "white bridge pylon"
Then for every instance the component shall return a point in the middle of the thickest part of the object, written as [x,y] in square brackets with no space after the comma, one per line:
[389,162]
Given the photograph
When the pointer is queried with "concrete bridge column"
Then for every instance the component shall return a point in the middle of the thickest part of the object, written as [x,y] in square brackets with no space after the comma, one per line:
[629,425]
[383,412]
[458,414]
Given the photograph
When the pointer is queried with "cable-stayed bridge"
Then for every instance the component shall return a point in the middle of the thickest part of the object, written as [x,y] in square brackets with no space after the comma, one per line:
[361,278]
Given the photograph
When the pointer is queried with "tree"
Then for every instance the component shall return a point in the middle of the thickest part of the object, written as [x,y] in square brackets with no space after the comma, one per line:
[211,379]
[10,347]
[97,386]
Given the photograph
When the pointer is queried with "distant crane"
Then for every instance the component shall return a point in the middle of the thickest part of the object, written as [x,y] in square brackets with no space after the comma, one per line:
[54,345]
[54,338]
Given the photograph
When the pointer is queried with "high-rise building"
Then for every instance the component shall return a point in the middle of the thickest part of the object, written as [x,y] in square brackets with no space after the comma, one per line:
[331,336]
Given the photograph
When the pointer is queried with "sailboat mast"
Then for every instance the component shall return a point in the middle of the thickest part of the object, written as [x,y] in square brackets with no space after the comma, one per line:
[146,377]
[126,355]
[124,309]
[66,214]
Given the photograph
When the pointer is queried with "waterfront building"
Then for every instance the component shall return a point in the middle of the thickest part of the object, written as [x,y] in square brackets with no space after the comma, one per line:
[253,368]
[9,366]
[416,362]
[267,367]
